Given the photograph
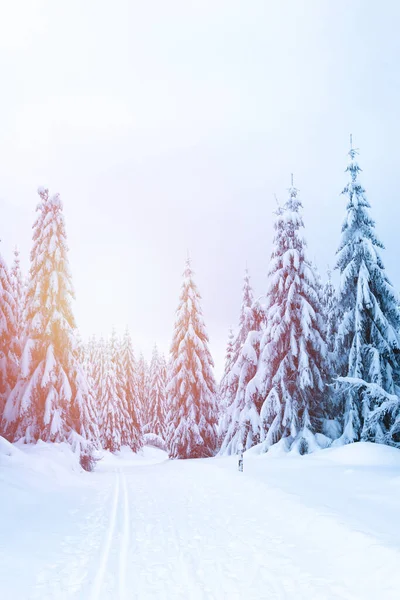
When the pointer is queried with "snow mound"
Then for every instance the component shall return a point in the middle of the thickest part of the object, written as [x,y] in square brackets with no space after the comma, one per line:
[7,449]
[281,448]
[31,464]
[363,454]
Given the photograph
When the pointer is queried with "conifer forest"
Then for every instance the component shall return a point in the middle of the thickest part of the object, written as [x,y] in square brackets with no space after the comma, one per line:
[309,365]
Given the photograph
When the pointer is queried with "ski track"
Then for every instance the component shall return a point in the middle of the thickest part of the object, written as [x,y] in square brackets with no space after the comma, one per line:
[124,548]
[105,553]
[189,530]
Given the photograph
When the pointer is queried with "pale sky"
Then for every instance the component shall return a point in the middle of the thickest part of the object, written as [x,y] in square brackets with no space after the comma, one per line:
[168,125]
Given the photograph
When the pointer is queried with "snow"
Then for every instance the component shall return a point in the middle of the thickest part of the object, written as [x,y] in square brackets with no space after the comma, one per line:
[322,526]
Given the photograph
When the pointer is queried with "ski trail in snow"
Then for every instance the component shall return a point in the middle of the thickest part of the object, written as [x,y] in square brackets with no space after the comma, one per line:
[124,545]
[98,582]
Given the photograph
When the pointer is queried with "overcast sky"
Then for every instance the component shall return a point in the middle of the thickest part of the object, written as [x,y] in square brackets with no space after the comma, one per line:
[168,125]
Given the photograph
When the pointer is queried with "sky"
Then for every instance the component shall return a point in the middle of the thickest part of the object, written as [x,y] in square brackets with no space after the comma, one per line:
[170,127]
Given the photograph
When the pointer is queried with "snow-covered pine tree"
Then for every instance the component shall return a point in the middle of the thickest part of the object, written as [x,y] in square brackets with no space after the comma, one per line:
[143,392]
[368,341]
[223,389]
[191,389]
[292,369]
[18,291]
[158,403]
[80,348]
[51,400]
[8,331]
[96,367]
[91,362]
[245,309]
[240,422]
[329,309]
[131,389]
[129,435]
[110,413]
[90,357]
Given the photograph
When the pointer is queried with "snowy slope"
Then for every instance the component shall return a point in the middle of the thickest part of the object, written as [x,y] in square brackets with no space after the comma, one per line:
[317,527]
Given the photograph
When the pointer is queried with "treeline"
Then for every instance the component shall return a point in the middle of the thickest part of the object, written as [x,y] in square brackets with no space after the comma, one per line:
[308,365]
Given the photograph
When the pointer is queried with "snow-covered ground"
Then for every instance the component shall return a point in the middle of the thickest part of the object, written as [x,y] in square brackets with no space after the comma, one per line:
[324,526]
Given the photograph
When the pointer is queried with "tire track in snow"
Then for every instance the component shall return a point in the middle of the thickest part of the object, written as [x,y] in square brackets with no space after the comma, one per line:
[124,544]
[105,553]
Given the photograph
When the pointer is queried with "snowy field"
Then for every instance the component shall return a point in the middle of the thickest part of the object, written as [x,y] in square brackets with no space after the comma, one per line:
[324,526]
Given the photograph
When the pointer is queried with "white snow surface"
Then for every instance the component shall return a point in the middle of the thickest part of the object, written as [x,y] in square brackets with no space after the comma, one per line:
[323,526]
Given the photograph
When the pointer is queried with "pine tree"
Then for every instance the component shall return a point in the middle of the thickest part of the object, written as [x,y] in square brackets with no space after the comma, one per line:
[51,399]
[240,424]
[245,310]
[242,419]
[96,369]
[191,389]
[131,389]
[89,357]
[292,369]
[329,309]
[224,387]
[143,392]
[129,435]
[8,332]
[110,414]
[18,292]
[368,341]
[158,403]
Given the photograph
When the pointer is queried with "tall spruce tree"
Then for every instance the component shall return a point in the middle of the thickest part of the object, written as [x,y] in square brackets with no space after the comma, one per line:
[158,402]
[242,420]
[111,423]
[143,389]
[129,435]
[51,399]
[368,341]
[223,389]
[245,310]
[240,424]
[330,312]
[191,389]
[129,375]
[292,369]
[97,372]
[18,291]
[8,332]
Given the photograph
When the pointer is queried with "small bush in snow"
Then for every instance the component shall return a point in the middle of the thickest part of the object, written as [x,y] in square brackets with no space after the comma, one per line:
[87,459]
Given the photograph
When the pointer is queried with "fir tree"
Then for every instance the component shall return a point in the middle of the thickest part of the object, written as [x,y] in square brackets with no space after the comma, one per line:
[110,414]
[242,419]
[128,434]
[142,378]
[96,368]
[292,369]
[224,387]
[131,389]
[191,389]
[91,361]
[158,403]
[368,342]
[240,424]
[51,399]
[330,313]
[245,310]
[8,332]
[18,291]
